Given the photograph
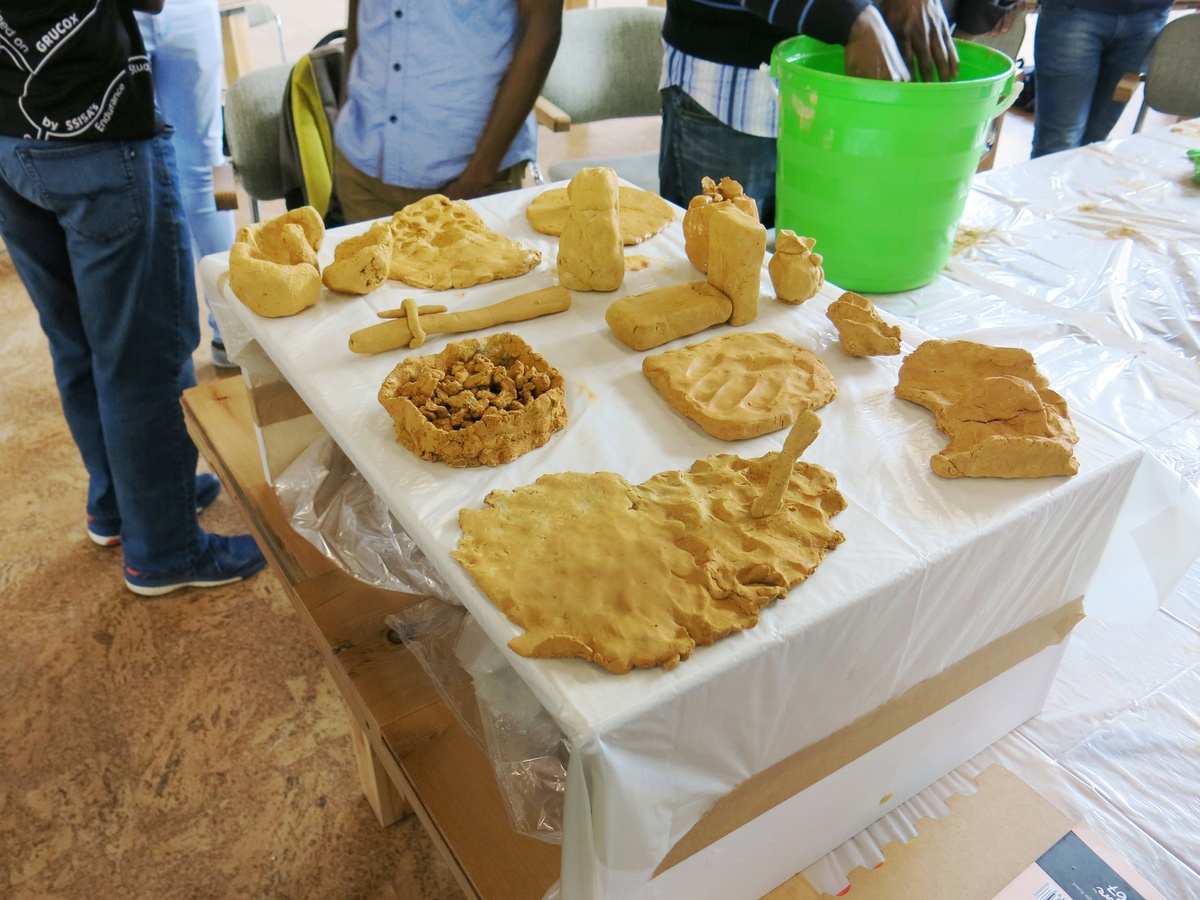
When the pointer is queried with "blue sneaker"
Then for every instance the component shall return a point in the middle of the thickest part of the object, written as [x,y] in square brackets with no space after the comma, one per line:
[226,559]
[108,534]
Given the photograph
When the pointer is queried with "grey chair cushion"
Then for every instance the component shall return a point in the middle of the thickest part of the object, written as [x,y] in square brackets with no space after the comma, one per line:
[252,109]
[640,169]
[1173,78]
[608,63]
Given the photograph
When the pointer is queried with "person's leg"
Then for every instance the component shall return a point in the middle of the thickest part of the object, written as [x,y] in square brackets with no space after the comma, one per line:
[37,245]
[1067,49]
[695,144]
[184,42]
[1128,51]
[364,197]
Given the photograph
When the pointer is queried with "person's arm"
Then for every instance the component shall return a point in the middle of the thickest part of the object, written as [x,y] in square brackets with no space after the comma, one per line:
[976,17]
[147,6]
[871,51]
[874,43]
[923,33]
[540,25]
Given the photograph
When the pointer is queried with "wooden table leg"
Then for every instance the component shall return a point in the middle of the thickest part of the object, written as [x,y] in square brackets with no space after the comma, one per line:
[389,805]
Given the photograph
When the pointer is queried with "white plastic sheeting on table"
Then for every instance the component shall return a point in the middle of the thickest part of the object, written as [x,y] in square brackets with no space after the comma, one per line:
[931,570]
[1090,259]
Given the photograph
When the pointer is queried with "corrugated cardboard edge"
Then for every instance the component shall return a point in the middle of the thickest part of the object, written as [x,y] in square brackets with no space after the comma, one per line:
[806,767]
[987,839]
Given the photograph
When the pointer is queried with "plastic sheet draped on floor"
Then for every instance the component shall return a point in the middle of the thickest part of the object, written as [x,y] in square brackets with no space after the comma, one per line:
[926,575]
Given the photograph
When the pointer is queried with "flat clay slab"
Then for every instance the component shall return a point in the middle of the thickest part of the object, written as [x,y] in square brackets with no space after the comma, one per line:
[642,214]
[741,385]
[636,576]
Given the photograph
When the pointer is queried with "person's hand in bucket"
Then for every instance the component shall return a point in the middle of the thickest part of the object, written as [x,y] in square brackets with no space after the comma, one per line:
[872,52]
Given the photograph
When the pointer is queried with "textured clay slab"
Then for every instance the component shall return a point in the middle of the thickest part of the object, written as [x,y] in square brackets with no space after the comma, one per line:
[637,575]
[642,214]
[441,244]
[997,408]
[743,384]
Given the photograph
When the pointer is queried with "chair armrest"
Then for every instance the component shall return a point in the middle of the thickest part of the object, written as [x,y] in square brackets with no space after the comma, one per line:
[550,115]
[1126,86]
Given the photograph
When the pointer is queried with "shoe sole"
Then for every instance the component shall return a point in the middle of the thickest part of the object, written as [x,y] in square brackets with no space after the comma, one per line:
[101,540]
[147,591]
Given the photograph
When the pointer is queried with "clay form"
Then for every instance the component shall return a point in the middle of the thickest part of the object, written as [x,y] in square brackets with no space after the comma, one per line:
[642,214]
[696,220]
[439,244]
[637,575]
[273,265]
[737,245]
[398,330]
[270,289]
[360,264]
[796,273]
[654,317]
[997,408]
[289,239]
[591,256]
[478,402]
[799,439]
[741,385]
[860,328]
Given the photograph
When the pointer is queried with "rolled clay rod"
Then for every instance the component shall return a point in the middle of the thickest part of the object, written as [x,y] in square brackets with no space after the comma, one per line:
[396,333]
[803,433]
[401,313]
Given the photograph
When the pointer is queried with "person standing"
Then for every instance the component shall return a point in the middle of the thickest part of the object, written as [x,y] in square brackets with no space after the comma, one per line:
[439,99]
[186,58]
[90,214]
[1081,48]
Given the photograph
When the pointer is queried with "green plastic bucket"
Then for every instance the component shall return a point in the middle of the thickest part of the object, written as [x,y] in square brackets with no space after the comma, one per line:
[878,171]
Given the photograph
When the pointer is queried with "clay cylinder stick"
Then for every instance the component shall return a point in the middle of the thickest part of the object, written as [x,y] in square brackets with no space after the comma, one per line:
[803,433]
[736,248]
[591,254]
[396,333]
[421,311]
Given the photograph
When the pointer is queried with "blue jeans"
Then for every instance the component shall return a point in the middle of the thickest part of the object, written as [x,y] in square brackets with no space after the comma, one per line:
[96,233]
[184,45]
[1079,56]
[695,144]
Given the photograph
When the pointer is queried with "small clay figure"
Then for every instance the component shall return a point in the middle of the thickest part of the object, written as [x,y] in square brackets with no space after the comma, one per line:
[796,272]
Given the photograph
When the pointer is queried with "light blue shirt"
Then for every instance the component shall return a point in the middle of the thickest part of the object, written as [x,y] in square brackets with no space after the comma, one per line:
[422,83]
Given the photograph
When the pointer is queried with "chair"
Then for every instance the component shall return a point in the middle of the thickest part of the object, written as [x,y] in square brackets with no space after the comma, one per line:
[1172,84]
[252,112]
[260,14]
[607,67]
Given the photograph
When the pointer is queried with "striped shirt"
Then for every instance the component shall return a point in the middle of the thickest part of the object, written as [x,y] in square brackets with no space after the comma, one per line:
[746,100]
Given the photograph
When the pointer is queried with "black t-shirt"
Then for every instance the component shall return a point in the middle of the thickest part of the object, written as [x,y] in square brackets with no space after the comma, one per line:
[74,70]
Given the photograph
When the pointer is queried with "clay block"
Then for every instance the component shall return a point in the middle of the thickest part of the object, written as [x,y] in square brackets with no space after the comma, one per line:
[736,247]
